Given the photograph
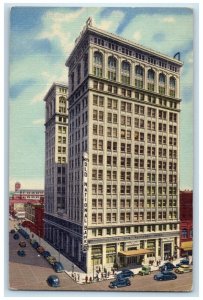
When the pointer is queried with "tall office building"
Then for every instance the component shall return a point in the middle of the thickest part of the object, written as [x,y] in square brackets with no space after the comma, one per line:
[123,186]
[56,138]
[123,154]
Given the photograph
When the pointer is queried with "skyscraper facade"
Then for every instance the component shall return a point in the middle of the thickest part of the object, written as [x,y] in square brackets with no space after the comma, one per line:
[123,152]
[56,155]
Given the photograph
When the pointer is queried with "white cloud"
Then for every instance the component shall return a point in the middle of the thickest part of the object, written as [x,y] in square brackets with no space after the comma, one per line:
[137,36]
[169,20]
[110,23]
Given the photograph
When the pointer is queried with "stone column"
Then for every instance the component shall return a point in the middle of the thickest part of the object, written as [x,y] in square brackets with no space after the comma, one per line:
[145,255]
[103,255]
[156,249]
[89,261]
[73,244]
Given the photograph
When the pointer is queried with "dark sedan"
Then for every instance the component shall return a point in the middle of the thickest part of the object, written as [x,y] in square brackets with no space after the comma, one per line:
[168,266]
[58,267]
[16,236]
[165,275]
[21,253]
[182,262]
[53,281]
[125,273]
[120,283]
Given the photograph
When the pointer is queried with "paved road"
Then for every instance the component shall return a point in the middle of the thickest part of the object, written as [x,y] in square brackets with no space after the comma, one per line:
[30,273]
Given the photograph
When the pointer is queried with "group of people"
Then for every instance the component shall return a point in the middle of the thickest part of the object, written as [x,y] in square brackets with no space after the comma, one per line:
[99,275]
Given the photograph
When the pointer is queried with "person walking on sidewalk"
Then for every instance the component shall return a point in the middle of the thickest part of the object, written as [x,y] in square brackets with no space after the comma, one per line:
[86,279]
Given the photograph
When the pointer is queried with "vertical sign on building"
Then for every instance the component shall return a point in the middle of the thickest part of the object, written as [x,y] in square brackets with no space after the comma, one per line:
[84,237]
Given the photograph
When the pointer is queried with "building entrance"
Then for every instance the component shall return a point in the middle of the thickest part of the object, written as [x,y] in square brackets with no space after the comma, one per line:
[167,251]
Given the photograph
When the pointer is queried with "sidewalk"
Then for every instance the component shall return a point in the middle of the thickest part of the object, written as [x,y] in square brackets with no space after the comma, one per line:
[75,272]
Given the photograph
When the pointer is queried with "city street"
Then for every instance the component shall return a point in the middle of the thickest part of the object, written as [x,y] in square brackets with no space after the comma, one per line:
[30,273]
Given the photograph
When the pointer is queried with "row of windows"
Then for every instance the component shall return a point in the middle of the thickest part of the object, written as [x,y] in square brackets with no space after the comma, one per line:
[128,176]
[128,189]
[127,203]
[134,229]
[140,56]
[139,71]
[132,217]
[138,136]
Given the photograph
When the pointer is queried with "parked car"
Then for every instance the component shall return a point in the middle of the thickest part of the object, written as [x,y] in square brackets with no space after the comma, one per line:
[183,262]
[183,269]
[22,244]
[53,281]
[146,270]
[120,283]
[12,231]
[21,253]
[40,249]
[16,236]
[165,275]
[125,273]
[58,267]
[168,266]
[46,254]
[51,259]
[35,245]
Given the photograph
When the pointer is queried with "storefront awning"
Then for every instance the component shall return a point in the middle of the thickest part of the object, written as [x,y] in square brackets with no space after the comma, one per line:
[186,246]
[135,252]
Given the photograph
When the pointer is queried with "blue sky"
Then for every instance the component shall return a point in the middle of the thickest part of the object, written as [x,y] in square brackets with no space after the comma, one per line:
[41,40]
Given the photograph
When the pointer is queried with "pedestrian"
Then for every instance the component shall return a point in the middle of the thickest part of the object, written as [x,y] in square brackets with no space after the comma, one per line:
[157,263]
[102,275]
[90,279]
[78,277]
[113,271]
[108,274]
[99,269]
[86,279]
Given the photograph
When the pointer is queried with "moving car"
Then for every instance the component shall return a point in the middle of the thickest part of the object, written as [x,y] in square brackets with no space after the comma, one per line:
[146,270]
[51,259]
[21,253]
[125,273]
[183,262]
[46,254]
[16,236]
[40,249]
[183,269]
[165,275]
[22,244]
[168,266]
[53,281]
[120,283]
[58,267]
[35,245]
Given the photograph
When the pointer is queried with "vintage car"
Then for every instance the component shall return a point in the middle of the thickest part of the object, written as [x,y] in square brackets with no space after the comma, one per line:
[146,270]
[183,269]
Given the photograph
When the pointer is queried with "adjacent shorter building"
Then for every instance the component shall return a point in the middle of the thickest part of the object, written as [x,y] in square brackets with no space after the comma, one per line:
[186,222]
[34,218]
[20,197]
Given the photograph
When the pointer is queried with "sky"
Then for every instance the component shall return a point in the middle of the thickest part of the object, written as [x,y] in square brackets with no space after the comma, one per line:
[41,40]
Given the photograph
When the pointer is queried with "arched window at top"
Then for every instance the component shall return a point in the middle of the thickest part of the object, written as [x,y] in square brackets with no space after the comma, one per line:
[172,82]
[125,72]
[151,75]
[98,64]
[172,87]
[125,67]
[162,82]
[162,79]
[98,58]
[151,78]
[112,63]
[139,76]
[139,71]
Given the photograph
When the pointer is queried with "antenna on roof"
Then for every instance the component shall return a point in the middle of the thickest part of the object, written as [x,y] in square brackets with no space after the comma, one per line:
[177,55]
